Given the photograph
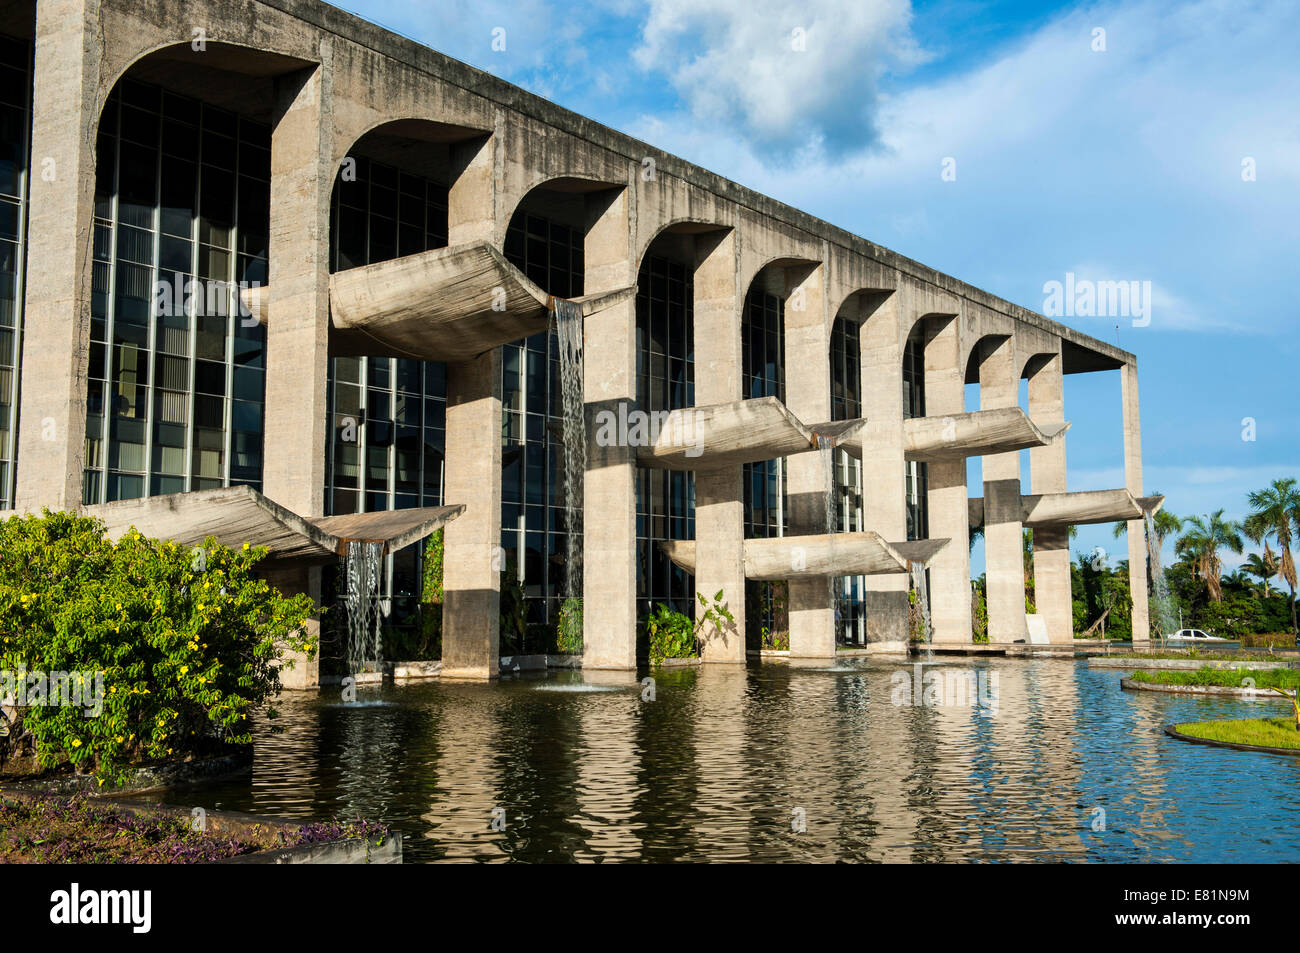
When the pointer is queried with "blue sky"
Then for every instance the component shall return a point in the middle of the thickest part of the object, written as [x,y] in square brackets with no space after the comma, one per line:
[1117,164]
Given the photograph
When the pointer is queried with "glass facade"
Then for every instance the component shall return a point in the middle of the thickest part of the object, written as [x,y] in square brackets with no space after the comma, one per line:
[914,406]
[762,343]
[665,367]
[177,376]
[846,404]
[15,135]
[386,438]
[534,533]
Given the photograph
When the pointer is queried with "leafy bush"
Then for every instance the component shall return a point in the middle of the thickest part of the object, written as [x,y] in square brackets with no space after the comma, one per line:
[672,634]
[568,634]
[188,642]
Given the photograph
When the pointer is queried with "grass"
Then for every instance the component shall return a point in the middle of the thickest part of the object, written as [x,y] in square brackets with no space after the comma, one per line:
[1207,656]
[1285,678]
[1265,732]
[50,829]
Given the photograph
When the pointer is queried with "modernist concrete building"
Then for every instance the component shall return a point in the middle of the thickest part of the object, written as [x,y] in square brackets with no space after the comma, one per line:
[400,229]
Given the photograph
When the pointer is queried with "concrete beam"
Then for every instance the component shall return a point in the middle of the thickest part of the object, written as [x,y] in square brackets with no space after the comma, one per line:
[1076,508]
[819,557]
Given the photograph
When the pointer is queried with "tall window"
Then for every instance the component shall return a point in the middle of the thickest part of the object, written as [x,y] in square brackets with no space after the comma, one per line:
[846,404]
[914,406]
[177,376]
[533,529]
[388,416]
[15,130]
[665,363]
[763,375]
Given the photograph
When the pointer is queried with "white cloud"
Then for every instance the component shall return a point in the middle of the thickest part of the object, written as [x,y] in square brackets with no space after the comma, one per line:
[789,81]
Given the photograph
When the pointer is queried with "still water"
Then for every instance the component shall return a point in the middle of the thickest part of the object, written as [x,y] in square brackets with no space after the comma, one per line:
[724,764]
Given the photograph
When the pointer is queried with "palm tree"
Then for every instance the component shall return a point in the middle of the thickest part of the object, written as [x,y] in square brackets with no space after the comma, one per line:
[1200,545]
[1275,514]
[1262,567]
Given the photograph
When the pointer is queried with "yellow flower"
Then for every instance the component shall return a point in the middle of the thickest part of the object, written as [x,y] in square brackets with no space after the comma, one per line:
[119,739]
[246,545]
[76,742]
[184,669]
[119,607]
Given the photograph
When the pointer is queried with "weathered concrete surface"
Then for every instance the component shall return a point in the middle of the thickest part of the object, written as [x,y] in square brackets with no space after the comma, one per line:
[1053,598]
[472,559]
[1137,530]
[449,304]
[976,433]
[719,493]
[1075,508]
[822,556]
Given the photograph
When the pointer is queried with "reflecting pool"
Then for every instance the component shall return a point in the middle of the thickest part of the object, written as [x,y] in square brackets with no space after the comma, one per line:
[1047,761]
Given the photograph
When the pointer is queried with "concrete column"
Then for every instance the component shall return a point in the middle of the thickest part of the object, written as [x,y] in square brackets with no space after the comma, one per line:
[472,560]
[297,345]
[1137,529]
[297,339]
[609,555]
[56,336]
[808,395]
[1053,600]
[1003,533]
[884,497]
[945,394]
[304,673]
[719,494]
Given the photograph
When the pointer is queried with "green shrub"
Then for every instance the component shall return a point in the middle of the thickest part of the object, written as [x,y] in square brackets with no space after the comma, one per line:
[188,642]
[671,634]
[568,633]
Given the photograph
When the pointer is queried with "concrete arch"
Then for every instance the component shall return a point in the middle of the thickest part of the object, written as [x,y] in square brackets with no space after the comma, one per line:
[685,224]
[408,127]
[218,55]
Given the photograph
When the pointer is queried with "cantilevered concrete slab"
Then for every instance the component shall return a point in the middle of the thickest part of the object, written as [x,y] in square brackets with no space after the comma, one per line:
[720,436]
[449,304]
[1077,508]
[972,434]
[827,555]
[239,514]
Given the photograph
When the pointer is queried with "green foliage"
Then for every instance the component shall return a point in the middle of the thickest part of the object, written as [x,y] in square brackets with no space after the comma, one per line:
[1266,732]
[979,616]
[1223,677]
[188,641]
[433,551]
[568,634]
[671,634]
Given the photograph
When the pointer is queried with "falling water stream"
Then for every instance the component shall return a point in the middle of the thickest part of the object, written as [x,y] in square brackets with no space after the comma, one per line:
[568,333]
[1164,607]
[922,599]
[360,598]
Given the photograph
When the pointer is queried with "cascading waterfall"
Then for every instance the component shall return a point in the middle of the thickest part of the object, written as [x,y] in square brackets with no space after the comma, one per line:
[568,333]
[362,603]
[922,598]
[1164,606]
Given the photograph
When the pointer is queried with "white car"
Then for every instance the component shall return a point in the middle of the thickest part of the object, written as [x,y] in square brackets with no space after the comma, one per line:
[1195,636]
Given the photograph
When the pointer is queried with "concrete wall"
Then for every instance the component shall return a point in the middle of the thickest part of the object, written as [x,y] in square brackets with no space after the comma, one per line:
[331,78]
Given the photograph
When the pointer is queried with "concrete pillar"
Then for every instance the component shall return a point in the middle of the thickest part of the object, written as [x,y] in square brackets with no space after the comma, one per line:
[884,496]
[719,494]
[297,345]
[56,336]
[1003,533]
[472,561]
[303,673]
[297,339]
[609,556]
[1137,530]
[808,395]
[949,513]
[1053,600]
